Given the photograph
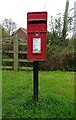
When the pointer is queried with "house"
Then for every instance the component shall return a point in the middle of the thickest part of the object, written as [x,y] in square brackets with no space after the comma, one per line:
[20,33]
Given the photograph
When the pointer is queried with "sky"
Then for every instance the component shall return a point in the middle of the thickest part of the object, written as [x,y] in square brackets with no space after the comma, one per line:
[17,9]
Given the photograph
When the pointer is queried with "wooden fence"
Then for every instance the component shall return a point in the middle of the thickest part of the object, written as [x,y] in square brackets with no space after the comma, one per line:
[14,55]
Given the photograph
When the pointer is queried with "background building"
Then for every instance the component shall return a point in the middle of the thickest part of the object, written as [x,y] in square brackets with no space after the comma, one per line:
[20,33]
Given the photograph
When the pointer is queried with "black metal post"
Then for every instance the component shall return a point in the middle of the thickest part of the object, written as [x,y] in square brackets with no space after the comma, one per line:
[35,77]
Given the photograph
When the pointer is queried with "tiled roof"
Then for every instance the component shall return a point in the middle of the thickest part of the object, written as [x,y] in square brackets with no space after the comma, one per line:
[23,29]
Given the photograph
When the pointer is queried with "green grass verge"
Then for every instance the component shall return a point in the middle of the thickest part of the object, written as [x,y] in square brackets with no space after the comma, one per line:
[56,95]
[0,94]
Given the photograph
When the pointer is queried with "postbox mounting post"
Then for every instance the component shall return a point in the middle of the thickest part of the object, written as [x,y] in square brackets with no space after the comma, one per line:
[35,80]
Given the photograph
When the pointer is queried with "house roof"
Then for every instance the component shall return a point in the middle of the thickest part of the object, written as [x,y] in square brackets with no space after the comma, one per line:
[23,29]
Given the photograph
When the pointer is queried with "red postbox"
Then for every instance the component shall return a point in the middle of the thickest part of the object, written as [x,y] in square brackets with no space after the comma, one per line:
[36,36]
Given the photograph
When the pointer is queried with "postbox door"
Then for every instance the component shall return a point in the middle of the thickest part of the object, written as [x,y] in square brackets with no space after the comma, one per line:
[36,46]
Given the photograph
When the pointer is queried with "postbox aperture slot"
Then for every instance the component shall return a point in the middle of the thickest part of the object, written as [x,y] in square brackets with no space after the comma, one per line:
[36,21]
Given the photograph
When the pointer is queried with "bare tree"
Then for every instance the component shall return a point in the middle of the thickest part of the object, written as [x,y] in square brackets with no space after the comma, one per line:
[9,25]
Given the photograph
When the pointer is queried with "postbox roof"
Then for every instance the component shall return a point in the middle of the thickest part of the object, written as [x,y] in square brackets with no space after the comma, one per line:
[36,16]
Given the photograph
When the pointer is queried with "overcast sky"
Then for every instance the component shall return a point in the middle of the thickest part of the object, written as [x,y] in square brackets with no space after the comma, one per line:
[17,9]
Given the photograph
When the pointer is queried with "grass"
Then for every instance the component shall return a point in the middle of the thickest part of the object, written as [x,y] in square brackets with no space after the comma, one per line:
[56,95]
[0,94]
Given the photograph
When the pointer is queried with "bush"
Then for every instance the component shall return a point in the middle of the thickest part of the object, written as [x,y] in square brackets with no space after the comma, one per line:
[60,58]
[68,61]
[53,61]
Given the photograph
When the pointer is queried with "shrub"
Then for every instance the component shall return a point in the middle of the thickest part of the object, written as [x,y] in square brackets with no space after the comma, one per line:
[60,57]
